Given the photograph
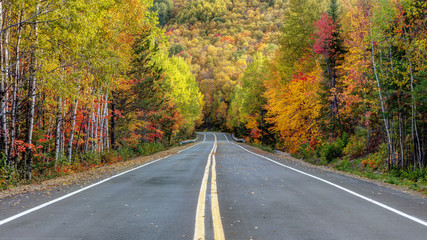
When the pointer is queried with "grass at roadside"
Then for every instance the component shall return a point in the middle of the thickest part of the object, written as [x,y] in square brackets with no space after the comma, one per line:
[262,147]
[412,179]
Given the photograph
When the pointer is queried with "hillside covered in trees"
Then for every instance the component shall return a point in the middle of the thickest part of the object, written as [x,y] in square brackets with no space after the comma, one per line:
[219,39]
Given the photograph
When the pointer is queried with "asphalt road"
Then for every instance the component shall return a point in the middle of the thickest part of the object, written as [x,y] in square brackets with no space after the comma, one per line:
[218,189]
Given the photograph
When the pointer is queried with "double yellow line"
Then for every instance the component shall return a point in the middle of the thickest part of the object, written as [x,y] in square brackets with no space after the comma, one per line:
[199,232]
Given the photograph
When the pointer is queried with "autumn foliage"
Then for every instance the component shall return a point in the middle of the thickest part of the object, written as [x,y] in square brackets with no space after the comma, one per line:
[88,82]
[346,82]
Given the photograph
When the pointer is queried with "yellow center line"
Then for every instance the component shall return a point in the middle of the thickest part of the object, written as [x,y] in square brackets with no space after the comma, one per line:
[199,231]
[216,216]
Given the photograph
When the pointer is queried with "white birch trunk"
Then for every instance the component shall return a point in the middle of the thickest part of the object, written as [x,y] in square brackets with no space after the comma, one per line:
[15,89]
[73,124]
[106,122]
[3,76]
[96,120]
[94,134]
[32,100]
[62,129]
[103,123]
[58,131]
[4,107]
[88,129]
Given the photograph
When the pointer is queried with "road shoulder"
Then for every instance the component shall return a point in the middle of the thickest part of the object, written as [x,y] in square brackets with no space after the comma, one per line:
[285,158]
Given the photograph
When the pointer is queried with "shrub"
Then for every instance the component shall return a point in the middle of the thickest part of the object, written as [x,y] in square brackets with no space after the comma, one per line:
[62,160]
[109,156]
[90,158]
[414,174]
[332,150]
[149,148]
[305,151]
[356,144]
[8,175]
[376,160]
[126,152]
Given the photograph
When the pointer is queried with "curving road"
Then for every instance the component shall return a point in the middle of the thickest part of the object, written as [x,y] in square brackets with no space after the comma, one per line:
[218,189]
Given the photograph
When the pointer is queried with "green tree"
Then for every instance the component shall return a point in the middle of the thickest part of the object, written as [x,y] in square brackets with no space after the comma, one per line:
[164,10]
[296,41]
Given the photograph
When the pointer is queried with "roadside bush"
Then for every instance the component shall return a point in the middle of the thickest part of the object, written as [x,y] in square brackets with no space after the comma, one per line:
[333,150]
[62,160]
[376,160]
[305,152]
[110,156]
[356,144]
[413,174]
[90,158]
[8,176]
[126,152]
[148,148]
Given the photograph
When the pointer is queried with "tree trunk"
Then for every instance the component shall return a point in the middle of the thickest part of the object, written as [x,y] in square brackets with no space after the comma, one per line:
[63,120]
[107,138]
[88,129]
[3,50]
[402,147]
[102,122]
[73,124]
[31,105]
[49,133]
[58,131]
[94,131]
[106,110]
[80,131]
[15,90]
[97,123]
[113,123]
[5,93]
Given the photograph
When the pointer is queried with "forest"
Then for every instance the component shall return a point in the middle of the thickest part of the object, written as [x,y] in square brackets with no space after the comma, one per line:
[335,82]
[87,82]
[347,81]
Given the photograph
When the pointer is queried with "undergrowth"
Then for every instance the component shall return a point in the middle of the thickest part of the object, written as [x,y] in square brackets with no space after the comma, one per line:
[262,147]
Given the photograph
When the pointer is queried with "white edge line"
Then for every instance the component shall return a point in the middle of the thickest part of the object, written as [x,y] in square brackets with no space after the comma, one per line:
[204,138]
[420,221]
[187,148]
[73,193]
[225,135]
